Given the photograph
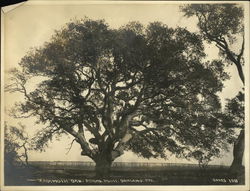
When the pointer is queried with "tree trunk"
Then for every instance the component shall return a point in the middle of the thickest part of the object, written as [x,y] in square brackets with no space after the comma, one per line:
[108,154]
[238,152]
[103,166]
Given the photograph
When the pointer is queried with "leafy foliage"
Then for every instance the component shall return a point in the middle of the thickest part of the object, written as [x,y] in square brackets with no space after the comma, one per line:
[235,110]
[144,89]
[222,24]
[15,145]
[217,19]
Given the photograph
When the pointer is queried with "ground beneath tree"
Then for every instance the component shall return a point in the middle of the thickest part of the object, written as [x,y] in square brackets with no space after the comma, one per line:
[39,176]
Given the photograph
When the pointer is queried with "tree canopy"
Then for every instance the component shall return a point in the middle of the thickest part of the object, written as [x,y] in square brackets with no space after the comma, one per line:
[222,24]
[145,89]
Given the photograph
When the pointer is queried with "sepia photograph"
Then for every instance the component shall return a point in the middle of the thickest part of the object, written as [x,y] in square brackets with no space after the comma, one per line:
[125,93]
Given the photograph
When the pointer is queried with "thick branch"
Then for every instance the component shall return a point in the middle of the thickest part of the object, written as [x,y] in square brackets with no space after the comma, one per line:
[81,140]
[119,150]
[242,50]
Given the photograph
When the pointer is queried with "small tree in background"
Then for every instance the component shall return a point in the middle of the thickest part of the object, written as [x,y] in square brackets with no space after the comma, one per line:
[203,158]
[16,143]
[144,89]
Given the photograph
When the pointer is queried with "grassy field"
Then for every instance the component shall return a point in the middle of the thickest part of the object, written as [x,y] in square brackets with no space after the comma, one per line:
[121,175]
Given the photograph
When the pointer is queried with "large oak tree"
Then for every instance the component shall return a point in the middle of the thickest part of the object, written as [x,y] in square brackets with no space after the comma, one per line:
[145,89]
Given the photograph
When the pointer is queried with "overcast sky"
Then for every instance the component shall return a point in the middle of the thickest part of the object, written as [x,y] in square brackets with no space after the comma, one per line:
[31,25]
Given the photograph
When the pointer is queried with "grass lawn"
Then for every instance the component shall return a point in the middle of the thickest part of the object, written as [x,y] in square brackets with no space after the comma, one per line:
[129,176]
